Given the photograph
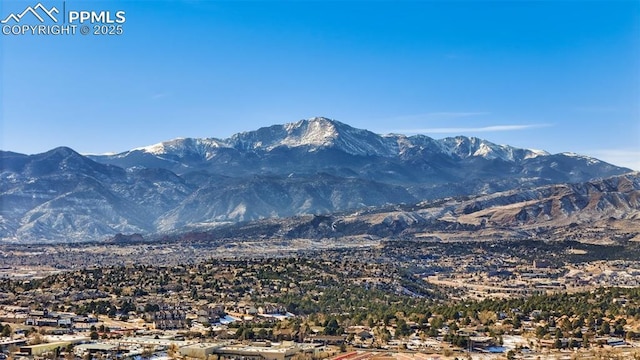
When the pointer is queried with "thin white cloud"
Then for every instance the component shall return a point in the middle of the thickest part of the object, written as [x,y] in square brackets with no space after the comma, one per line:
[460,130]
[440,115]
[456,114]
[596,109]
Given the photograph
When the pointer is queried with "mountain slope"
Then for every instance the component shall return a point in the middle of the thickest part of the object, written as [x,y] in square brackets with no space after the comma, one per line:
[616,197]
[61,195]
[315,166]
[605,210]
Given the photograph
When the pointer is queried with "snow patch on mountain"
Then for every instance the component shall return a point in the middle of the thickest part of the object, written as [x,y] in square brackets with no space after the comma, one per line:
[590,160]
[182,146]
[534,153]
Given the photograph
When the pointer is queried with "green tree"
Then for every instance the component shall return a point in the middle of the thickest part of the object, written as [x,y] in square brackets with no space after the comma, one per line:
[517,324]
[247,334]
[557,344]
[332,327]
[618,329]
[402,329]
[605,328]
[6,330]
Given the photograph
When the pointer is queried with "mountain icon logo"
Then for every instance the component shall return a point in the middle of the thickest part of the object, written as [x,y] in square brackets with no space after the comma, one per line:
[36,11]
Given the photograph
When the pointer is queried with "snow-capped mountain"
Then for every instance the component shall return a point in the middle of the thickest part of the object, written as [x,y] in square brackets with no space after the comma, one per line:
[323,145]
[320,134]
[308,167]
[312,134]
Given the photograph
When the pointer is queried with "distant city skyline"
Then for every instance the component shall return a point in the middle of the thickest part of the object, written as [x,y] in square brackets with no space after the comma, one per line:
[555,76]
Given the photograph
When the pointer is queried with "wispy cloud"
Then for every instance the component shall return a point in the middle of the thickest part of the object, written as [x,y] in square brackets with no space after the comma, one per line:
[459,130]
[439,115]
[596,109]
[629,158]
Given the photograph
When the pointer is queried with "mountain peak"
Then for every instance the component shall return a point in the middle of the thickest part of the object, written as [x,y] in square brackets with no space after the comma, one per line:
[317,131]
[60,154]
[466,147]
[313,133]
[321,120]
[63,151]
[323,123]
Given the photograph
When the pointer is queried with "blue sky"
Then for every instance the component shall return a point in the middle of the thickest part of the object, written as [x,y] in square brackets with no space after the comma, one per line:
[558,76]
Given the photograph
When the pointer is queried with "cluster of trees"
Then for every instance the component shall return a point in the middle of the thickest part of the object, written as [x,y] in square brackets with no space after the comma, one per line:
[96,331]
[5,330]
[248,333]
[602,312]
[336,294]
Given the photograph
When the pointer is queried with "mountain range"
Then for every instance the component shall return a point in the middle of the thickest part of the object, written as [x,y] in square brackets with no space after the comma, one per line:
[603,211]
[315,166]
